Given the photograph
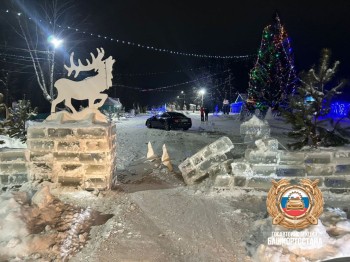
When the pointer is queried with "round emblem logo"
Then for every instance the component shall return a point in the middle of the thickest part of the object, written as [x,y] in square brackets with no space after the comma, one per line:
[295,206]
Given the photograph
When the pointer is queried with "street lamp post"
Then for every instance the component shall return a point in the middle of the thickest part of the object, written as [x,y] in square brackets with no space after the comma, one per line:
[202,92]
[183,93]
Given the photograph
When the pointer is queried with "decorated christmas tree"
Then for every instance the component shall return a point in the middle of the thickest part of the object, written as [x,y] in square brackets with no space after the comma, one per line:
[273,76]
[309,108]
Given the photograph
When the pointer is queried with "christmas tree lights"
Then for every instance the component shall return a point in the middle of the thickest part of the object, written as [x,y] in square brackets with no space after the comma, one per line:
[273,76]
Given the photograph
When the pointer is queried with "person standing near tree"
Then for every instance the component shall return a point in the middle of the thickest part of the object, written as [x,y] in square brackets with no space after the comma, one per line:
[202,114]
[226,107]
[206,112]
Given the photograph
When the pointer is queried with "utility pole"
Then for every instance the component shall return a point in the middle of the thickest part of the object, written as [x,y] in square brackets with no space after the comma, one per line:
[229,83]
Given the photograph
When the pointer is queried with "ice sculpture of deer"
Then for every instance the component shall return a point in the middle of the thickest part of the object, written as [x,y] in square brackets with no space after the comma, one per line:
[89,88]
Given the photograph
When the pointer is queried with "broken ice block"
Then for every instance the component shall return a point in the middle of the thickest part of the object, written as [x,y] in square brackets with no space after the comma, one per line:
[260,183]
[197,166]
[291,158]
[337,182]
[342,153]
[267,144]
[342,169]
[319,158]
[241,168]
[267,157]
[319,170]
[264,170]
[240,180]
[284,170]
[271,144]
[224,181]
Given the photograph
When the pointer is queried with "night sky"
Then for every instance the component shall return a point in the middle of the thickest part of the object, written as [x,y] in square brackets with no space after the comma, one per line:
[202,27]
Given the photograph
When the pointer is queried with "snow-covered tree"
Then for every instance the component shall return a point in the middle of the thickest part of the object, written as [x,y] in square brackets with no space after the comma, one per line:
[309,108]
[3,106]
[19,113]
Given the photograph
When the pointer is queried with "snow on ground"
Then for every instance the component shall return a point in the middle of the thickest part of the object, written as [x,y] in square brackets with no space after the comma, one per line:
[333,240]
[133,134]
[9,142]
[156,217]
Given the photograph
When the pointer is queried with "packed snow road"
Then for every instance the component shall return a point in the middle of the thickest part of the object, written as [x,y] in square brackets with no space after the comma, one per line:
[133,136]
[157,218]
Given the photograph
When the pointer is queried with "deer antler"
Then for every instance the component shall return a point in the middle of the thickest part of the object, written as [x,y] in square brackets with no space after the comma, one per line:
[95,62]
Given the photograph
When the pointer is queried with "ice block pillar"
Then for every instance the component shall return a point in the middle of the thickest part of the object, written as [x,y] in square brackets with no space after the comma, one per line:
[73,154]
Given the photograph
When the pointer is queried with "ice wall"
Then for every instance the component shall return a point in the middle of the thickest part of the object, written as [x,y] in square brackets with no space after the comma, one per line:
[72,154]
[13,167]
[266,162]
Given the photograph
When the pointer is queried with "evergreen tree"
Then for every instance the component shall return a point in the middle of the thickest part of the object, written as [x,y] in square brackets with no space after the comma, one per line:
[3,107]
[273,76]
[309,107]
[19,113]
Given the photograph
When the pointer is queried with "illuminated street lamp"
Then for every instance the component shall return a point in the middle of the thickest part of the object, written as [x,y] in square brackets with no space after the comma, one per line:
[56,42]
[183,93]
[202,92]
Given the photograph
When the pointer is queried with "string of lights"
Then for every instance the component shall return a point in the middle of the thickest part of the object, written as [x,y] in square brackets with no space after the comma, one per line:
[340,109]
[162,72]
[29,59]
[6,48]
[140,45]
[163,88]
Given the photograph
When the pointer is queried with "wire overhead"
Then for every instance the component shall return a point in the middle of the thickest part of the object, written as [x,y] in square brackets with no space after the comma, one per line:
[163,88]
[140,45]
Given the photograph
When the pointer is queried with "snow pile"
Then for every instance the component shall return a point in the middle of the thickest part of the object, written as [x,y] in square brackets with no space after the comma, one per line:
[42,226]
[333,231]
[11,142]
[254,121]
[13,229]
[254,128]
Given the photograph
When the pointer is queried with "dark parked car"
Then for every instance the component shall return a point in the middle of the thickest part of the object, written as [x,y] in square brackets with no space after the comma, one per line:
[169,120]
